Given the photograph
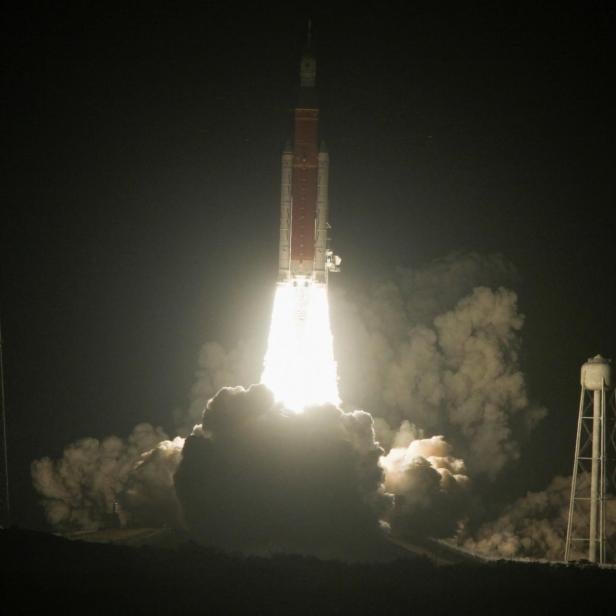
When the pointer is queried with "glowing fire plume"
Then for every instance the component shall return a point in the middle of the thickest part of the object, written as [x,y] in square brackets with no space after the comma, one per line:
[299,363]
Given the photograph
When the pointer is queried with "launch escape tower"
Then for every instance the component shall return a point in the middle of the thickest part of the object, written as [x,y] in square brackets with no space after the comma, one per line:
[593,483]
[304,256]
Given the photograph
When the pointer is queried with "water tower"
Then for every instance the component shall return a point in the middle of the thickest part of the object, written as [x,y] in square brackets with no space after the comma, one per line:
[593,481]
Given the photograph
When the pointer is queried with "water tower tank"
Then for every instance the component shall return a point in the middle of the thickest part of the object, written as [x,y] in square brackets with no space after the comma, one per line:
[595,372]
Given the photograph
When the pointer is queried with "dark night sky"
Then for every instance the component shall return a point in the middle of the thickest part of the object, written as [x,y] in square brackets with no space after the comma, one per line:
[143,175]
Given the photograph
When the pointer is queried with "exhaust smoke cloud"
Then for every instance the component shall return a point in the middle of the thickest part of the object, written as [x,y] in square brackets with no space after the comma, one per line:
[535,526]
[82,488]
[313,482]
[439,347]
[433,353]
[430,487]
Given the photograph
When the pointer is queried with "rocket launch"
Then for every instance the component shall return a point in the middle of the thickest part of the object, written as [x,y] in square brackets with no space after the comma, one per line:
[304,257]
[299,364]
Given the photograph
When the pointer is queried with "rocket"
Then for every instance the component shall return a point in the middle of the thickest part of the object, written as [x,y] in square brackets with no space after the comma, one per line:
[304,255]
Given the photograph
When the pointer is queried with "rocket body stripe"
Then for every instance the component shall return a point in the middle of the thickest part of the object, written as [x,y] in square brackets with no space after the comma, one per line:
[305,172]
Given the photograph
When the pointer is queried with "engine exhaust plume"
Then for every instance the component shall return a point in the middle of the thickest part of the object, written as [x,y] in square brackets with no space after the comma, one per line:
[299,365]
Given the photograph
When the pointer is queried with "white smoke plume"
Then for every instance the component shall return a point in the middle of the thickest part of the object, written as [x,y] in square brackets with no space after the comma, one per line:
[81,489]
[535,526]
[430,486]
[437,348]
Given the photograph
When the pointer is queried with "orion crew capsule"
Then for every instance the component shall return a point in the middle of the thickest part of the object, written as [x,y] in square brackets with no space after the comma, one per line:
[304,256]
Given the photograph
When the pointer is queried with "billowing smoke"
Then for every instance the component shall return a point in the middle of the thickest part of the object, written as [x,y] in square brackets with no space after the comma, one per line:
[257,478]
[437,347]
[298,482]
[430,486]
[535,526]
[82,488]
[148,494]
[432,352]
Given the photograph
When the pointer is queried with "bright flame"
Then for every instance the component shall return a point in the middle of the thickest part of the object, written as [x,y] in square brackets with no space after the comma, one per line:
[299,363]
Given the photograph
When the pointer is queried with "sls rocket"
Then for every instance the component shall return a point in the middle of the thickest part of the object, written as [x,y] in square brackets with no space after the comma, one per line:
[304,256]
